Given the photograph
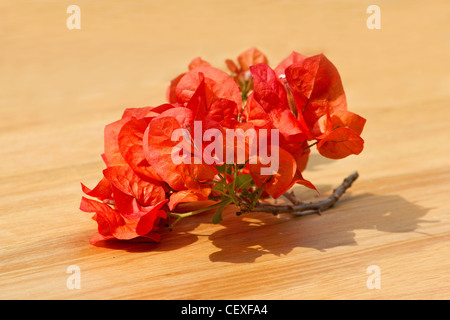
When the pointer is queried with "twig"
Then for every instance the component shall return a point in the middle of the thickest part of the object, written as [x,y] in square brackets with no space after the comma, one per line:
[303,209]
[291,197]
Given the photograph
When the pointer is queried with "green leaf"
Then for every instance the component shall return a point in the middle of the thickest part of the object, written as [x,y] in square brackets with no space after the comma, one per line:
[221,168]
[217,217]
[257,195]
[219,187]
[243,180]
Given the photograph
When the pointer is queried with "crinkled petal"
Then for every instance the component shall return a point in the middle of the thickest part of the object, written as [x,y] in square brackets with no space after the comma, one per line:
[316,86]
[111,224]
[279,182]
[251,57]
[218,82]
[146,192]
[102,191]
[185,196]
[340,143]
[283,65]
[158,148]
[130,141]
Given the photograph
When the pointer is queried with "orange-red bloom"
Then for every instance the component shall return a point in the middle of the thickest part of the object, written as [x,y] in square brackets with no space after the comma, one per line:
[302,100]
[321,107]
[130,193]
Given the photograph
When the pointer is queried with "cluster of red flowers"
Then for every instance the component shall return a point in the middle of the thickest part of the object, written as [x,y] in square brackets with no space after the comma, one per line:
[142,186]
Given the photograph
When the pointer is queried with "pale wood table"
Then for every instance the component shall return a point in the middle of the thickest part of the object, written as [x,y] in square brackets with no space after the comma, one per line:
[60,87]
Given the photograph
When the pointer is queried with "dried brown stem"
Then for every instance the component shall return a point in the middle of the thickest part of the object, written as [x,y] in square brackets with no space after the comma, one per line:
[303,209]
[291,197]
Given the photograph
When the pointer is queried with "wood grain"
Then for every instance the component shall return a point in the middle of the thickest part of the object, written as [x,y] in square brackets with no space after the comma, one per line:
[60,87]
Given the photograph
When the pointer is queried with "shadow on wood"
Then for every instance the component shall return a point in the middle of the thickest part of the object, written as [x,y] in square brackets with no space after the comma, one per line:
[258,234]
[246,238]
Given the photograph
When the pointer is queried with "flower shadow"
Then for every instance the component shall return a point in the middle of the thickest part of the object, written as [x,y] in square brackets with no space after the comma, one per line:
[186,232]
[249,237]
[180,237]
[245,238]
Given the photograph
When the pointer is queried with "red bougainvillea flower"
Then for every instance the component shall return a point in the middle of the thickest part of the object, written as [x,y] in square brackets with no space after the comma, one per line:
[268,105]
[304,99]
[170,93]
[314,85]
[158,158]
[241,71]
[112,224]
[245,60]
[218,97]
[203,94]
[119,213]
[311,89]
[131,193]
[189,181]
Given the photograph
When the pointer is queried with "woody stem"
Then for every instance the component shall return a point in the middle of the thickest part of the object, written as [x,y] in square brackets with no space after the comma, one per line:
[303,209]
[309,146]
[291,197]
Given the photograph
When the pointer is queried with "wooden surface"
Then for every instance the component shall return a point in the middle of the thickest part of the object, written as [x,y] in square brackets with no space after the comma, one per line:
[60,87]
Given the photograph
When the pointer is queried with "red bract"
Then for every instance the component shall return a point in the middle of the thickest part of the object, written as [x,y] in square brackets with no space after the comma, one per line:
[129,207]
[131,193]
[317,91]
[240,72]
[304,99]
[301,101]
[113,224]
[170,94]
[294,57]
[189,180]
[245,60]
[268,104]
[280,181]
[311,88]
